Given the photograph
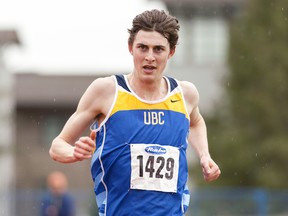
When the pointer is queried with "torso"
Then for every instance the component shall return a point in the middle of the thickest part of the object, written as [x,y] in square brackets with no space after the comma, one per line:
[109,94]
[132,132]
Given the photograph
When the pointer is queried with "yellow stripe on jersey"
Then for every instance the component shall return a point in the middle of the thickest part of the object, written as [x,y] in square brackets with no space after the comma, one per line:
[127,101]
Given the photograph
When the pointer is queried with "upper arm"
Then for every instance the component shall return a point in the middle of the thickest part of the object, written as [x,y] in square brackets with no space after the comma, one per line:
[191,96]
[93,103]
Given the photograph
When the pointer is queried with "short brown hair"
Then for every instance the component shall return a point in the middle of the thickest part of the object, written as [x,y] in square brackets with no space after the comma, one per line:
[156,20]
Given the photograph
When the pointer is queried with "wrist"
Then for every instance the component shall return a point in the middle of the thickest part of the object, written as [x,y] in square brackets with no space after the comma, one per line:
[204,155]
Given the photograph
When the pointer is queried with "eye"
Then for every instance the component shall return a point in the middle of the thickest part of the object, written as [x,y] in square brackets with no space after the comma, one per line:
[142,47]
[158,49]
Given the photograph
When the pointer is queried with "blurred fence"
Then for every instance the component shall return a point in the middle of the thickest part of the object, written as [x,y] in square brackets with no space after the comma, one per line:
[27,202]
[204,202]
[238,202]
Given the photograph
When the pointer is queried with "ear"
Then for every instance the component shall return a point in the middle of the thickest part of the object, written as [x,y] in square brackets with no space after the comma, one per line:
[130,48]
[172,51]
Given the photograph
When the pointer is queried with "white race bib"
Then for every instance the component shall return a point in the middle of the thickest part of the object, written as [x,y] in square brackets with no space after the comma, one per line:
[154,167]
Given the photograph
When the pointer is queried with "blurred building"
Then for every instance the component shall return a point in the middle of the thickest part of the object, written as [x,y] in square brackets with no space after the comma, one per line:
[44,102]
[201,55]
[7,132]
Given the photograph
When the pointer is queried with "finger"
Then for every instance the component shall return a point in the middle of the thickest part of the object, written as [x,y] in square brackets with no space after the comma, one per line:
[84,146]
[212,178]
[88,142]
[81,156]
[81,151]
[209,170]
[206,169]
[93,135]
[213,175]
[215,168]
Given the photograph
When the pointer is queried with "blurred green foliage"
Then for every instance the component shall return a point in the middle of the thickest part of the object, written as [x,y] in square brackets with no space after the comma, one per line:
[248,133]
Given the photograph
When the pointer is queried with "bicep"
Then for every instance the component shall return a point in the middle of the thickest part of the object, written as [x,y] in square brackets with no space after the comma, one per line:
[195,116]
[85,114]
[191,96]
[75,126]
[91,105]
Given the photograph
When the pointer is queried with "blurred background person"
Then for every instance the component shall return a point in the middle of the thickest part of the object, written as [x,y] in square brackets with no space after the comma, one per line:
[57,201]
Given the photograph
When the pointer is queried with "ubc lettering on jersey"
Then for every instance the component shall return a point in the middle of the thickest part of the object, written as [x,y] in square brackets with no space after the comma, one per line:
[141,154]
[153,118]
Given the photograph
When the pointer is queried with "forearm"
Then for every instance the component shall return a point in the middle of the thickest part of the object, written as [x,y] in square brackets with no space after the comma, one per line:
[198,138]
[62,151]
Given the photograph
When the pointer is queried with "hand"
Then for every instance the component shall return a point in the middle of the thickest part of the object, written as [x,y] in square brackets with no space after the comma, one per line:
[210,169]
[85,147]
[93,135]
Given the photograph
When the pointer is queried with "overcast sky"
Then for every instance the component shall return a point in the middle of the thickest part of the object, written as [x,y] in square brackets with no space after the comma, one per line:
[70,36]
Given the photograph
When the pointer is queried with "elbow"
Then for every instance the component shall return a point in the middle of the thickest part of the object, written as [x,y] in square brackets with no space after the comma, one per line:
[52,154]
[60,154]
[53,151]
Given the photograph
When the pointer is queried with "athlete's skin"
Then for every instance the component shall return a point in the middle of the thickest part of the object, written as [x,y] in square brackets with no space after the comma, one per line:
[150,51]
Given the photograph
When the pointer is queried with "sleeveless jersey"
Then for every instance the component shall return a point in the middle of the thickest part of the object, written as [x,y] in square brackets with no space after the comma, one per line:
[139,166]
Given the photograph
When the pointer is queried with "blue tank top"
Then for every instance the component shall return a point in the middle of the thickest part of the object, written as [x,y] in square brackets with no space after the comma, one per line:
[139,166]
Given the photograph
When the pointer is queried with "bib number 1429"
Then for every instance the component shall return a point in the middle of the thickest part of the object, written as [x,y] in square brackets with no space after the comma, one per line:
[165,167]
[154,167]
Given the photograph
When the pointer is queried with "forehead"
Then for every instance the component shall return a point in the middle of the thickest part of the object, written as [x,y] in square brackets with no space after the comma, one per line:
[149,38]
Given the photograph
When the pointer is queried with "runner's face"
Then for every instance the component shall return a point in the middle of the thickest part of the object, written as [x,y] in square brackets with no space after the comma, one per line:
[150,52]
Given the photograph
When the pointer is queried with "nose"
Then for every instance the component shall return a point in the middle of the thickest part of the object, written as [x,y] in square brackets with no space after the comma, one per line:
[150,56]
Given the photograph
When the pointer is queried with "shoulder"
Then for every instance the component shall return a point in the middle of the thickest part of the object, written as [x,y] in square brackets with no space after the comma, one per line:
[190,93]
[99,92]
[102,84]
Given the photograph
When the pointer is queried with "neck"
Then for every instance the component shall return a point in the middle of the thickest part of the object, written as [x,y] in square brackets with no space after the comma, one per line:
[148,90]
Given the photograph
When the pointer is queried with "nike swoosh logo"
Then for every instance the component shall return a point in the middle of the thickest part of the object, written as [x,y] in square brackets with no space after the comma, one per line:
[174,101]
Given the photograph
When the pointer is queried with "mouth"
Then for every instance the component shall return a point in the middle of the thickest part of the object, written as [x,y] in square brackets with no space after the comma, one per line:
[149,68]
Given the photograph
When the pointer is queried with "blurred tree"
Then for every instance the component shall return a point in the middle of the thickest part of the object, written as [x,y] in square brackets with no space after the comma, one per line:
[248,133]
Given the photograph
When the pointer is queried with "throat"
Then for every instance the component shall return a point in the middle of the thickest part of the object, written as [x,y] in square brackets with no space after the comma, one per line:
[149,91]
[151,96]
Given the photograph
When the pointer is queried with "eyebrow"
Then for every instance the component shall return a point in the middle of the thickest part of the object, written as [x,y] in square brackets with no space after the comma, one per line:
[158,46]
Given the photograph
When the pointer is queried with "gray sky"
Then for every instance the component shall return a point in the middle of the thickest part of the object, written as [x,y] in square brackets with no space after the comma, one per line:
[70,36]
